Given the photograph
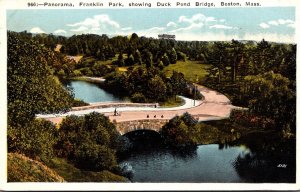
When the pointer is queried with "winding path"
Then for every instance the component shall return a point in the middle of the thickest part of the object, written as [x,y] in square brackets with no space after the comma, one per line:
[214,106]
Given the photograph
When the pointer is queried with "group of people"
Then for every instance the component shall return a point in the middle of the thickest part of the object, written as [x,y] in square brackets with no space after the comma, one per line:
[162,116]
[116,113]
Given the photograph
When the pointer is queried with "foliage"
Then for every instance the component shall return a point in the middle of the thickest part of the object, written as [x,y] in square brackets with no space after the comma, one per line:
[149,82]
[138,98]
[35,139]
[72,174]
[79,102]
[186,131]
[31,86]
[180,131]
[156,88]
[269,95]
[23,169]
[268,151]
[90,142]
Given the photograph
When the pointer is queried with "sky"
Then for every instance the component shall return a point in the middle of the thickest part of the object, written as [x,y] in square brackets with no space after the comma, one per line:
[273,24]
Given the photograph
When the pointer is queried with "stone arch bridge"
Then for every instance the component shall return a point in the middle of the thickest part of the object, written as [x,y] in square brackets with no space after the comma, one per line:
[129,126]
[213,106]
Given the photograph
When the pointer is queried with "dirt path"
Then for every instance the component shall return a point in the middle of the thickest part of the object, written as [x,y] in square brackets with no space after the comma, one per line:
[214,106]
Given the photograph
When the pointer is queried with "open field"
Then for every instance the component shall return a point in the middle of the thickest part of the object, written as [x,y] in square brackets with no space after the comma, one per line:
[189,68]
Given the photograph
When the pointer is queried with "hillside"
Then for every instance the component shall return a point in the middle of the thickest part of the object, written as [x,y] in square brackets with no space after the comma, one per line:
[23,169]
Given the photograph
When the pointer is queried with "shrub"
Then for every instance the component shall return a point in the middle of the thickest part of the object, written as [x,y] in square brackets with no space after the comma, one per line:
[138,98]
[181,131]
[79,102]
[90,141]
[35,140]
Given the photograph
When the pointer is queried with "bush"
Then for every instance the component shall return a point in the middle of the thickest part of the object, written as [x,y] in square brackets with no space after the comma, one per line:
[79,102]
[35,140]
[77,73]
[138,98]
[181,131]
[90,141]
[91,156]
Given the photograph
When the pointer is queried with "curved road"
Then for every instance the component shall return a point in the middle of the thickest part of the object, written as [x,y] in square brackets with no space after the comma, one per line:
[214,106]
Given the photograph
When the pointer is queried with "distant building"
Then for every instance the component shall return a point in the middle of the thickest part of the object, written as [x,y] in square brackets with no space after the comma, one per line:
[166,36]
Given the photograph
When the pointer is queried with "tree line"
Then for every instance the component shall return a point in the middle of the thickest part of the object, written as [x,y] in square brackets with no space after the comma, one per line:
[150,85]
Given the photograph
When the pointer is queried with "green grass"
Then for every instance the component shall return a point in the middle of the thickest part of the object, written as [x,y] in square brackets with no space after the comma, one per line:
[190,69]
[93,59]
[23,169]
[73,174]
[172,103]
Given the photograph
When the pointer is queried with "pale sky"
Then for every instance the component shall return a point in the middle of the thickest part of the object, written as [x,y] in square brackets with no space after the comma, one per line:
[272,24]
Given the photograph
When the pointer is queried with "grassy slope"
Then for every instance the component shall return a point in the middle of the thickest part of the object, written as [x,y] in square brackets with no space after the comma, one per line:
[189,68]
[73,174]
[172,103]
[23,169]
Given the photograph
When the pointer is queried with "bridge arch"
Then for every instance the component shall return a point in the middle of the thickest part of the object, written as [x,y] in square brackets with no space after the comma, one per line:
[148,124]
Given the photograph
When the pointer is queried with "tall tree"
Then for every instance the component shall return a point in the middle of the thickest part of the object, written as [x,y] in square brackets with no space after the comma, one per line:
[178,83]
[31,86]
[237,49]
[173,56]
[157,88]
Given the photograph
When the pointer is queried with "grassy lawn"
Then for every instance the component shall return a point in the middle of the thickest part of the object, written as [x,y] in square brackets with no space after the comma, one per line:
[172,103]
[189,68]
[73,174]
[93,59]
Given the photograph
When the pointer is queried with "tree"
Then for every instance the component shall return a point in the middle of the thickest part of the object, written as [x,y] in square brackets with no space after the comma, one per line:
[218,59]
[120,61]
[156,88]
[90,142]
[180,131]
[137,57]
[165,60]
[35,140]
[173,56]
[129,60]
[178,83]
[138,97]
[31,86]
[237,55]
[269,95]
[181,56]
[148,58]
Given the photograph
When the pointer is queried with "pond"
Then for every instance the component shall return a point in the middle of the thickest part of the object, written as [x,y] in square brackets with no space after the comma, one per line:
[256,159]
[90,92]
[150,161]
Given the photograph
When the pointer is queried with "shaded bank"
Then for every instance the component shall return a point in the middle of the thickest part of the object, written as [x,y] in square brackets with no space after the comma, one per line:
[252,158]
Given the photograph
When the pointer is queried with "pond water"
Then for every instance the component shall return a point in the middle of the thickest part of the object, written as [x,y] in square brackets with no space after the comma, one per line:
[208,163]
[90,92]
[150,161]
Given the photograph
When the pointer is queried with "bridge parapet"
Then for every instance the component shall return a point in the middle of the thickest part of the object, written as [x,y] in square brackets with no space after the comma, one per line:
[147,124]
[114,105]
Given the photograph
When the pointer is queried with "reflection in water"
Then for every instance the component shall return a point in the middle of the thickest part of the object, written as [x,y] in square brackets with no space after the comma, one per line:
[90,92]
[271,162]
[255,158]
[152,161]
